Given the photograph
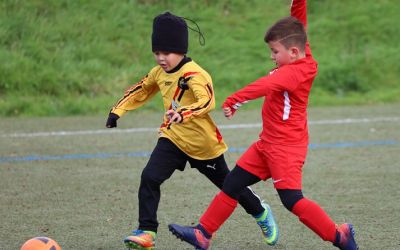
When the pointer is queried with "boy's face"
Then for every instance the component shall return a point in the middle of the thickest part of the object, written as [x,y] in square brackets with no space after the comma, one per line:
[280,55]
[167,60]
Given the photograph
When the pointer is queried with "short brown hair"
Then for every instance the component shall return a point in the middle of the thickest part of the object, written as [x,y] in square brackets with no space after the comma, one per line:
[289,31]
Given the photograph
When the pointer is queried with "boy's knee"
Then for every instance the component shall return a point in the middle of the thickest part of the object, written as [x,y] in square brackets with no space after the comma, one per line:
[230,190]
[290,197]
[150,177]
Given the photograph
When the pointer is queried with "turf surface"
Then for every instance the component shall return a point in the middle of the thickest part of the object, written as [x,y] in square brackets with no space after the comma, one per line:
[82,202]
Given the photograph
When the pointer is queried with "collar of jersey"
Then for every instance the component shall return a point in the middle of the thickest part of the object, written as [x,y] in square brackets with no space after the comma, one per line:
[179,66]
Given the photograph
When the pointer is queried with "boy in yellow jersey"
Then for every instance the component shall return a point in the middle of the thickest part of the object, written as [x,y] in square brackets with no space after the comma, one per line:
[187,134]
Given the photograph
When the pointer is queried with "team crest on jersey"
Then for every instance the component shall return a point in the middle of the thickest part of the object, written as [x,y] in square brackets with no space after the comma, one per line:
[183,82]
[167,83]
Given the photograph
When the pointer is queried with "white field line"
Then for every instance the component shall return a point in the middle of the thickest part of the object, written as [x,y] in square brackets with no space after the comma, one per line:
[232,126]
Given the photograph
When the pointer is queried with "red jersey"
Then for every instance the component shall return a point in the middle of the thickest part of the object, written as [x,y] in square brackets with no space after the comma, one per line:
[286,90]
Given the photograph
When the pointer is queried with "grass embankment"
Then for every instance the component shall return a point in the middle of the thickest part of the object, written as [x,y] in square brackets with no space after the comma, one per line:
[77,57]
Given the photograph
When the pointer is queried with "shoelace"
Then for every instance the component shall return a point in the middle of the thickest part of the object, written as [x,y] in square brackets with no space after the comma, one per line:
[264,226]
[142,233]
[137,232]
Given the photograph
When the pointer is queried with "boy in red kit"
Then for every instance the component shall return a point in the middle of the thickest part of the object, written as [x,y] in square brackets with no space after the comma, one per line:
[281,150]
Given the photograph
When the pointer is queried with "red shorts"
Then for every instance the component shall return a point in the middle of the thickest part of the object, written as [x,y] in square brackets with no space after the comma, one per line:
[281,163]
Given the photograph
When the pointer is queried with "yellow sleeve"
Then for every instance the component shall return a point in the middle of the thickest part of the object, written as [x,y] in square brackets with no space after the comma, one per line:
[137,95]
[204,98]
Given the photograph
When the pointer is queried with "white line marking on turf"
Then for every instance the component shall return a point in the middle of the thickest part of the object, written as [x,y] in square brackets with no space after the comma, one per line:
[232,126]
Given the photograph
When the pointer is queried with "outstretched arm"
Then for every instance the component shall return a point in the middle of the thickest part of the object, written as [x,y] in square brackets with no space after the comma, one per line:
[134,97]
[279,80]
[299,10]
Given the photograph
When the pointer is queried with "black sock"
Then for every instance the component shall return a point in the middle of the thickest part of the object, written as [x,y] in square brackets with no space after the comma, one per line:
[337,239]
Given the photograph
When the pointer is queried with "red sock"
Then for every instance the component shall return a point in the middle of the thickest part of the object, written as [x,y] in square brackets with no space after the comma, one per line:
[312,215]
[218,212]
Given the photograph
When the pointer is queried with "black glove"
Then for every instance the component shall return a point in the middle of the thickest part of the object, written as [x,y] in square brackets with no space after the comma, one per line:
[112,120]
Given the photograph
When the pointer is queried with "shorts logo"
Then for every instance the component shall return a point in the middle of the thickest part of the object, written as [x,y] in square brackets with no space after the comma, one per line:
[276,181]
[213,166]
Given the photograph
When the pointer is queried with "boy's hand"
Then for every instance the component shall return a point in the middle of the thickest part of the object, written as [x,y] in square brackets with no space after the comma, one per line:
[227,112]
[173,116]
[112,120]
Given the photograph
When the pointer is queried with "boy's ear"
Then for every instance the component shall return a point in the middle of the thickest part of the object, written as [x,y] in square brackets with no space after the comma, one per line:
[294,52]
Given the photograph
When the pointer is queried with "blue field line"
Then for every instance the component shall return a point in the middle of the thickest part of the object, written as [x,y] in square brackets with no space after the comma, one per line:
[5,159]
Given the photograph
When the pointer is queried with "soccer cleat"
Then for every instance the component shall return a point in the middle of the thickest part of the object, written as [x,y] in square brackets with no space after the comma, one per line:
[345,237]
[140,240]
[192,235]
[268,225]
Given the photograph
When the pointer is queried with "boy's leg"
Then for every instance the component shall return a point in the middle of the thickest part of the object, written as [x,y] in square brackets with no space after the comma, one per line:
[216,171]
[309,212]
[217,213]
[235,187]
[164,160]
[252,169]
[315,218]
[287,174]
[221,208]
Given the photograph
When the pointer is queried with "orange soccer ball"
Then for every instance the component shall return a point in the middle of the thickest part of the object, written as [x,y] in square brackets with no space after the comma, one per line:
[40,243]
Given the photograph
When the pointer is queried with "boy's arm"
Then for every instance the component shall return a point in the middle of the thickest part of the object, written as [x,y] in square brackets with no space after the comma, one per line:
[278,80]
[250,92]
[134,97]
[299,10]
[236,100]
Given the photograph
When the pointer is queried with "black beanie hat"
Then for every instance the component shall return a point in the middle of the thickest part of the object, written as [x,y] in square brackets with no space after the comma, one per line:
[170,34]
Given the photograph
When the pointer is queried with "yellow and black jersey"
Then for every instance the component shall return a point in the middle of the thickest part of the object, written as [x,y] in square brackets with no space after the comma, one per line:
[189,91]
